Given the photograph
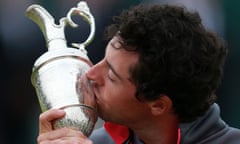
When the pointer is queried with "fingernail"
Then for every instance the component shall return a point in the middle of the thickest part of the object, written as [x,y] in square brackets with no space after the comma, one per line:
[60,111]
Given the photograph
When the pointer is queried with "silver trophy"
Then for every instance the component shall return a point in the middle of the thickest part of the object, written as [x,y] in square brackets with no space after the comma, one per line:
[59,74]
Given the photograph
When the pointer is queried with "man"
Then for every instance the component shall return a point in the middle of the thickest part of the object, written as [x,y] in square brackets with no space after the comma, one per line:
[155,84]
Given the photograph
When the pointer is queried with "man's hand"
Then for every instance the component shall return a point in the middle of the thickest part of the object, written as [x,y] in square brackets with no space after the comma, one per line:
[49,135]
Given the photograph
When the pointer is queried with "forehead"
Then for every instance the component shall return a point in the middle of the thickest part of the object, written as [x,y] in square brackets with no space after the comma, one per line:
[118,57]
[116,46]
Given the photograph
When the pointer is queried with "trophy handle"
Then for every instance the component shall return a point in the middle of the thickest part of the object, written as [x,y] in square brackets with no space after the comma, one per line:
[82,10]
[54,34]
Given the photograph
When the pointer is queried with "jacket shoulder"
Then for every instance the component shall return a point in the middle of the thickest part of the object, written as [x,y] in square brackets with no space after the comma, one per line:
[232,136]
[100,136]
[228,135]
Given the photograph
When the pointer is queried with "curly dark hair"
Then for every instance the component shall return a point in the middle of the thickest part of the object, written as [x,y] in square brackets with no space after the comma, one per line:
[178,57]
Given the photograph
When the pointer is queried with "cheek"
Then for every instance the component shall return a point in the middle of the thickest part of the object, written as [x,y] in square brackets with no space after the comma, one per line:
[118,95]
[122,107]
[119,104]
[119,98]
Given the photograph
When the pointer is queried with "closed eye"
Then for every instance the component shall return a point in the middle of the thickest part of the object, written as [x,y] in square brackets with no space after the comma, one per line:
[112,71]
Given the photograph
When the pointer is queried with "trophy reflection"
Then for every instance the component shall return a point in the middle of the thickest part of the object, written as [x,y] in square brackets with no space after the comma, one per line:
[59,74]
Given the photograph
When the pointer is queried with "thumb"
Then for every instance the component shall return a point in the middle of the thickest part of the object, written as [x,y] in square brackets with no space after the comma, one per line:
[46,119]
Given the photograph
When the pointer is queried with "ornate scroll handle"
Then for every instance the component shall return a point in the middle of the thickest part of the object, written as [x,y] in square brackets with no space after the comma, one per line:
[82,10]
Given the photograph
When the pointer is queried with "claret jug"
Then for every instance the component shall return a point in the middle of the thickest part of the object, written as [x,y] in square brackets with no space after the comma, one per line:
[58,75]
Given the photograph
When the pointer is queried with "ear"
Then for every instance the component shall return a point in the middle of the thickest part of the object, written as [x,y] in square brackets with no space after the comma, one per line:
[161,106]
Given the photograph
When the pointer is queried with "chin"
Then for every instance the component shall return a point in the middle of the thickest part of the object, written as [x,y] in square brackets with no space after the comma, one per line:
[103,116]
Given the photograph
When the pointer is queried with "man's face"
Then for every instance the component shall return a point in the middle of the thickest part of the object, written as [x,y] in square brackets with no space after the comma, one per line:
[115,93]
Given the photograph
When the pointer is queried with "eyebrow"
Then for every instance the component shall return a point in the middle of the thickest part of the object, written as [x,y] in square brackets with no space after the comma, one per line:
[113,70]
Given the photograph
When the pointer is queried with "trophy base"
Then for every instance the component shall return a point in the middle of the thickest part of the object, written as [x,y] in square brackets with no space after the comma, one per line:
[78,116]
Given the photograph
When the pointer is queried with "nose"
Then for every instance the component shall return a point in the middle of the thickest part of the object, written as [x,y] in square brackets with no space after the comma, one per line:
[96,73]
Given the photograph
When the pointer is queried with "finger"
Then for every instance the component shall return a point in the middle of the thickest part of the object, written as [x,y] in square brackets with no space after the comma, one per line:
[66,141]
[63,134]
[46,119]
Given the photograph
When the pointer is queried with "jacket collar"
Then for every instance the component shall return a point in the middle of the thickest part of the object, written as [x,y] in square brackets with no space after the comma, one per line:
[203,127]
[120,134]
